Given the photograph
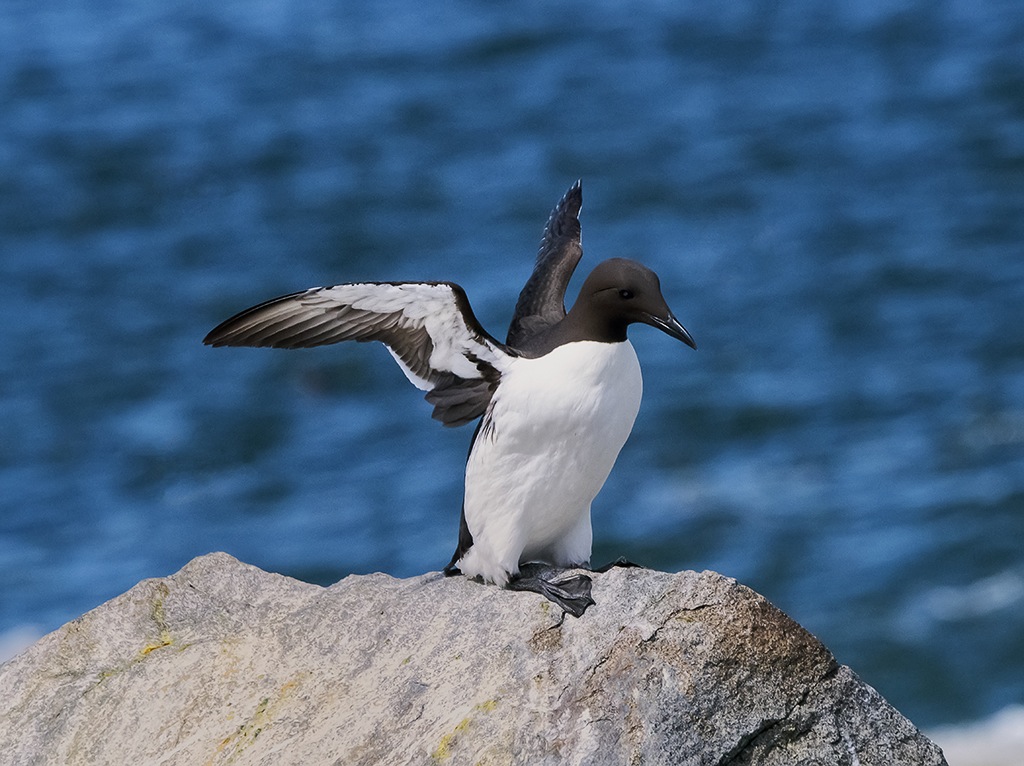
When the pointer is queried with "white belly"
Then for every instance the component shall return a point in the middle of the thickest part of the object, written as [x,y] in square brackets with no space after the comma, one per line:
[552,433]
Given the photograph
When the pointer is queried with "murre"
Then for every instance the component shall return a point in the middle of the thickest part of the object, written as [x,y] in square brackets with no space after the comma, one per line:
[556,401]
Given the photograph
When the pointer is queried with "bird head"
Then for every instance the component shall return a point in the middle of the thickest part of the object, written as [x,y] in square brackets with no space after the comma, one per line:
[620,292]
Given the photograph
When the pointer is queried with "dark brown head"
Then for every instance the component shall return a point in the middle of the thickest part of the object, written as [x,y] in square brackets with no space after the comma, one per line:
[620,292]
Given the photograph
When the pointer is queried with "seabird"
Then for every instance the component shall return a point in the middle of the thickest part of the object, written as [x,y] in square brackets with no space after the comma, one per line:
[556,401]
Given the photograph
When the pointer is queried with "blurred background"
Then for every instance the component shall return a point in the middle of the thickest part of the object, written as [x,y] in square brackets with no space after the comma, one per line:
[833,198]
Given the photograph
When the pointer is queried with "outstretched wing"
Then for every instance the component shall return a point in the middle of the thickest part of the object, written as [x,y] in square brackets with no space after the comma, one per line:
[428,327]
[542,301]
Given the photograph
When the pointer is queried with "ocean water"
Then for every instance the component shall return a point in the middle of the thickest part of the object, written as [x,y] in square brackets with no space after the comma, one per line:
[833,198]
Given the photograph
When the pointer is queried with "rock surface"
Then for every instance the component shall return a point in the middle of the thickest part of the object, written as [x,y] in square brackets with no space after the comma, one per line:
[224,663]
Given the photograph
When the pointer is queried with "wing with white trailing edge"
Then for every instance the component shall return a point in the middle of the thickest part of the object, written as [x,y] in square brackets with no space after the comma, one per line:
[428,327]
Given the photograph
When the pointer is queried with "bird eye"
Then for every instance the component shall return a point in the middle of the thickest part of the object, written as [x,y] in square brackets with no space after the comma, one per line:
[625,294]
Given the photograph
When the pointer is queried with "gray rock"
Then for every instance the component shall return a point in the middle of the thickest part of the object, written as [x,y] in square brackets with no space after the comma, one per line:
[224,663]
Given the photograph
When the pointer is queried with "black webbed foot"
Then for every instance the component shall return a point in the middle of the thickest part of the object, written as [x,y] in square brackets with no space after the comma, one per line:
[571,593]
[619,562]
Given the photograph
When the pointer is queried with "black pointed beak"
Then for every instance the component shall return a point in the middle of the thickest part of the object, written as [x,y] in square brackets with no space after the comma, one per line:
[670,326]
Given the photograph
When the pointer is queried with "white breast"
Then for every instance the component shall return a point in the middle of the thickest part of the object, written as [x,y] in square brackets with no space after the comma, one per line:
[552,433]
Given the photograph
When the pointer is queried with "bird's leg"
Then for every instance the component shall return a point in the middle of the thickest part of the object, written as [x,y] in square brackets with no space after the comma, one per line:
[571,593]
[561,621]
[619,562]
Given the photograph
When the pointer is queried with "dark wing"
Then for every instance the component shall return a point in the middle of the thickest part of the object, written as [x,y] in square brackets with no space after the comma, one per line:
[542,301]
[428,327]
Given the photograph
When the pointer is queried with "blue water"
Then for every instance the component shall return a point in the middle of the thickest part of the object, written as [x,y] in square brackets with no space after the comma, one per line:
[834,200]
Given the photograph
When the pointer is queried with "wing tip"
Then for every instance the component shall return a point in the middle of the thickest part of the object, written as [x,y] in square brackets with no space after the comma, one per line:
[565,217]
[226,333]
[574,197]
[218,336]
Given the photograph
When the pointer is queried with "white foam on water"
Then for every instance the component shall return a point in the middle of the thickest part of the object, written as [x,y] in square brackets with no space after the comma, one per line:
[995,741]
[980,598]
